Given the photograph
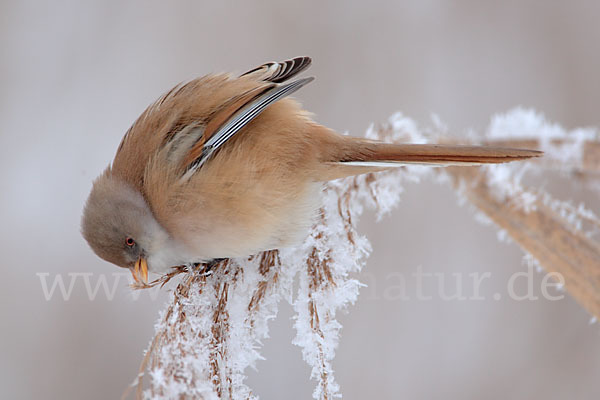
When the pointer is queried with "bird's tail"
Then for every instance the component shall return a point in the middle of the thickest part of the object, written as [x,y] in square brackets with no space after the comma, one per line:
[359,156]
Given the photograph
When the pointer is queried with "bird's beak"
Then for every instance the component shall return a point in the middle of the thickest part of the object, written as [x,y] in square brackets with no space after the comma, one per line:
[140,271]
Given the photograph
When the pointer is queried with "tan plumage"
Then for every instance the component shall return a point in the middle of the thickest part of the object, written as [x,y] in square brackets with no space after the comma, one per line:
[258,191]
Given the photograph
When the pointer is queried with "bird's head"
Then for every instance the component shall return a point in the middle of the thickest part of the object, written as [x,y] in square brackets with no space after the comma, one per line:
[119,226]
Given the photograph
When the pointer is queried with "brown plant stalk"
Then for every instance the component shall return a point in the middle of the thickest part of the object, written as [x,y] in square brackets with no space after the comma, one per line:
[202,323]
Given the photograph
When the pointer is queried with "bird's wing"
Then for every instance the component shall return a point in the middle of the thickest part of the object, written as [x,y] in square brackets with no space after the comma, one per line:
[278,72]
[229,120]
[194,119]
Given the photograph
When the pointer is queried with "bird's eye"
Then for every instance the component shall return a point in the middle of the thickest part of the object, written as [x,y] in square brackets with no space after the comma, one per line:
[130,242]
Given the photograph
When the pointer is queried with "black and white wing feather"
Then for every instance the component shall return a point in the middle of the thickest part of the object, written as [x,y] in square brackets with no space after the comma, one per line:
[241,118]
[278,72]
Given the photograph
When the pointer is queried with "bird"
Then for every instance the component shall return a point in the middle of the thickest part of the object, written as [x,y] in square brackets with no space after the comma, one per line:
[227,166]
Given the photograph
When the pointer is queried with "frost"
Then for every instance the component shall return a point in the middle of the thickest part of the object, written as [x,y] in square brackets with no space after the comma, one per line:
[523,123]
[216,320]
[564,147]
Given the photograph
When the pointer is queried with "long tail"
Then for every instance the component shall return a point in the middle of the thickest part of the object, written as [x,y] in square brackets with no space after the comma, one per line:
[361,156]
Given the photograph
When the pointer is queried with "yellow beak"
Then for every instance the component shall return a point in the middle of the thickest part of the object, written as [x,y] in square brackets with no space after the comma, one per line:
[140,271]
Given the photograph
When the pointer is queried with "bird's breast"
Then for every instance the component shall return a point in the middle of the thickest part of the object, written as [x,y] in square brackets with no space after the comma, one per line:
[250,224]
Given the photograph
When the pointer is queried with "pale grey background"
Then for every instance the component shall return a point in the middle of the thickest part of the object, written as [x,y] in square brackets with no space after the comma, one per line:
[74,75]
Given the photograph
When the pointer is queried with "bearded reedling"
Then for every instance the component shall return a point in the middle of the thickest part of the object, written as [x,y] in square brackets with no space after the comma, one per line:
[227,166]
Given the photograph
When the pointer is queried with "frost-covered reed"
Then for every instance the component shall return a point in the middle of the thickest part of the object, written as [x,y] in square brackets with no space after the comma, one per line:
[213,327]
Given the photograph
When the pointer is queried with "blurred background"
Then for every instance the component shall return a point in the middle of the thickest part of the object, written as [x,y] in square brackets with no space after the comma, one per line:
[75,75]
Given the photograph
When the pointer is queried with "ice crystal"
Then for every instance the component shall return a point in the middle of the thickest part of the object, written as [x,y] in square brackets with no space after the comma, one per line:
[213,327]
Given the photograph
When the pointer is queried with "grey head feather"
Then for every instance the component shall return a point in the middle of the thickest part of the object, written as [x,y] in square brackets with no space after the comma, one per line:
[114,211]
